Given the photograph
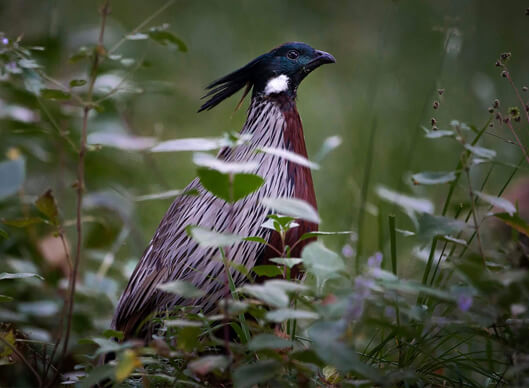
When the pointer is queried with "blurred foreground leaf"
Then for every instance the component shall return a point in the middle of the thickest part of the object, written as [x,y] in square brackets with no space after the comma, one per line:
[181,288]
[12,176]
[292,207]
[249,375]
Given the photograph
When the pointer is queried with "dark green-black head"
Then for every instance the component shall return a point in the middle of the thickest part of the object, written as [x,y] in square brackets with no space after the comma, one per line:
[278,71]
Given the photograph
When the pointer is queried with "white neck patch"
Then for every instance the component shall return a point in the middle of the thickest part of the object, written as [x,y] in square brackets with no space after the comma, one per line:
[277,85]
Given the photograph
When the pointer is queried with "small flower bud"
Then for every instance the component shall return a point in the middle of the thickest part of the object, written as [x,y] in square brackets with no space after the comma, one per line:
[436,104]
[433,121]
[524,88]
[491,109]
[505,56]
[498,64]
[491,125]
[504,74]
[440,91]
[506,120]
[517,119]
[496,103]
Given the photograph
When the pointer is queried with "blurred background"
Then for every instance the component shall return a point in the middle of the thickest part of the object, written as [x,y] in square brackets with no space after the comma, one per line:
[392,58]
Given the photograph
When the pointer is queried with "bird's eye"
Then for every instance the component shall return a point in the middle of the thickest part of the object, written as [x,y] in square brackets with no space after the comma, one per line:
[292,54]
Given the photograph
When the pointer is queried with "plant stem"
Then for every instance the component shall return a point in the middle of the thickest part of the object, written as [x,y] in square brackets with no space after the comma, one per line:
[23,359]
[88,106]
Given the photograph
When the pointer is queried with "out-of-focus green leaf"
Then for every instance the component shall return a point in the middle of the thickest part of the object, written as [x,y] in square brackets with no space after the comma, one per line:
[44,308]
[292,207]
[436,134]
[20,275]
[110,333]
[82,53]
[46,205]
[22,222]
[322,233]
[267,270]
[329,346]
[290,262]
[282,315]
[215,182]
[514,221]
[208,238]
[323,263]
[97,375]
[268,341]
[12,176]
[75,83]
[248,375]
[137,36]
[206,160]
[164,37]
[54,94]
[206,364]
[497,202]
[407,202]
[121,141]
[245,184]
[190,144]
[181,288]
[481,152]
[328,145]
[290,156]
[8,337]
[273,292]
[432,226]
[5,298]
[128,361]
[182,323]
[433,178]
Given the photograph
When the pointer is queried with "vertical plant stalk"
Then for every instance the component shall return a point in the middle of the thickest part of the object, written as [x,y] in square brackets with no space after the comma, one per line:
[88,106]
[23,359]
[518,141]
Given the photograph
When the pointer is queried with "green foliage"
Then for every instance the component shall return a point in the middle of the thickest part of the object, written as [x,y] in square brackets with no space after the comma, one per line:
[387,319]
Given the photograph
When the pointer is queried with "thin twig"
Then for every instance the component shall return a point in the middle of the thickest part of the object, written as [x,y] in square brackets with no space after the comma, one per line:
[520,145]
[474,216]
[141,25]
[23,359]
[81,182]
[525,107]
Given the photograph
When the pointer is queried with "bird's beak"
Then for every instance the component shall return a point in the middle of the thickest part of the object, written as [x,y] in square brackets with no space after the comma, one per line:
[321,58]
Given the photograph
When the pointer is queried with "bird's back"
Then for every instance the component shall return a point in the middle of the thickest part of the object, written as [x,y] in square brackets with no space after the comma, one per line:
[172,254]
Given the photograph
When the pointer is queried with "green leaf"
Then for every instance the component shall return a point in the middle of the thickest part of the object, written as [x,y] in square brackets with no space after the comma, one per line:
[290,156]
[12,176]
[164,37]
[273,292]
[268,341]
[432,226]
[97,375]
[323,263]
[215,182]
[328,145]
[109,333]
[20,275]
[497,202]
[290,262]
[82,53]
[207,364]
[481,152]
[245,184]
[514,221]
[433,178]
[208,238]
[22,222]
[181,288]
[407,202]
[206,160]
[75,83]
[436,134]
[182,323]
[190,144]
[128,361]
[292,207]
[282,315]
[270,271]
[46,205]
[329,346]
[322,233]
[122,141]
[137,36]
[256,239]
[54,94]
[164,195]
[248,375]
[5,298]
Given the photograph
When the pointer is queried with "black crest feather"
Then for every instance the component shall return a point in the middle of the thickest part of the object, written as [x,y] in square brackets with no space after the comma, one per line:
[228,85]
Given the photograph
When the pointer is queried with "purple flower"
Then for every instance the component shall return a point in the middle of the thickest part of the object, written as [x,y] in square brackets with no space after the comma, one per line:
[5,41]
[464,302]
[348,251]
[375,261]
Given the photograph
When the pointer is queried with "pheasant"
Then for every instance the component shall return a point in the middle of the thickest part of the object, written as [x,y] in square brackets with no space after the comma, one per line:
[273,121]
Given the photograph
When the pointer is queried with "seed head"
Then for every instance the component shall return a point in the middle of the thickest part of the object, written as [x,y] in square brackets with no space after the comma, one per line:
[505,56]
[496,103]
[491,109]
[498,64]
[433,121]
[504,74]
[436,104]
[524,88]
[440,91]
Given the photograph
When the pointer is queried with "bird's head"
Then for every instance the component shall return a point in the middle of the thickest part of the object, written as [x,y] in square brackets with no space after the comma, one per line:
[279,71]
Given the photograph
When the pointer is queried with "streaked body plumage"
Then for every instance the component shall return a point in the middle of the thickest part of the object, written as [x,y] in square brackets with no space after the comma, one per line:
[272,121]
